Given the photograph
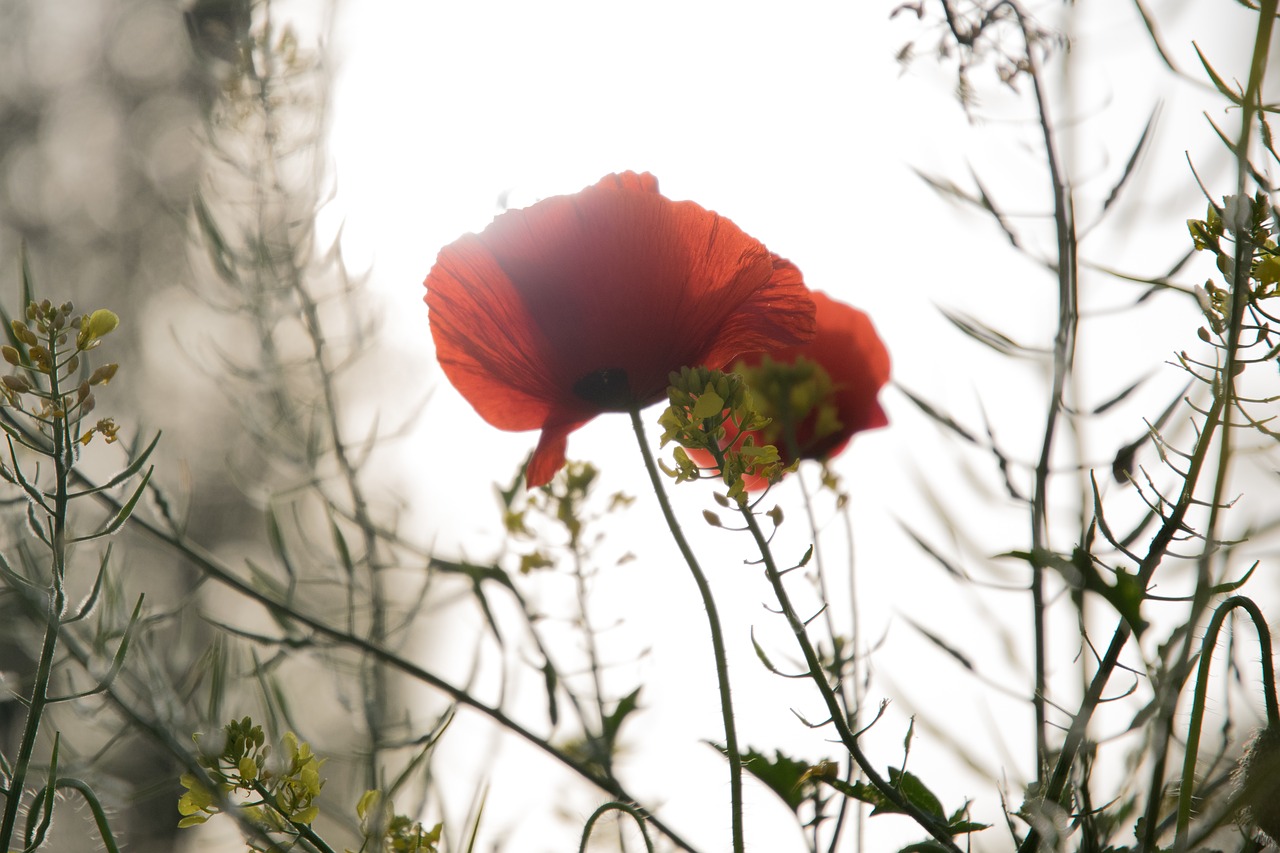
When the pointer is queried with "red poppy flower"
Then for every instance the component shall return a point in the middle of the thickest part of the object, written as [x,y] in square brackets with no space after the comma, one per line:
[584,303]
[818,394]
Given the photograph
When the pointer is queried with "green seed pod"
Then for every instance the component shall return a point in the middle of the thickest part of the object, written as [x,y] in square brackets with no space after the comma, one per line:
[1258,783]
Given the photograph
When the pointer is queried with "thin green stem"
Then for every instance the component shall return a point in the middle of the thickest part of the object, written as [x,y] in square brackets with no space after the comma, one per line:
[1172,525]
[612,807]
[95,806]
[1063,360]
[717,634]
[304,831]
[1225,388]
[932,825]
[62,459]
[1187,789]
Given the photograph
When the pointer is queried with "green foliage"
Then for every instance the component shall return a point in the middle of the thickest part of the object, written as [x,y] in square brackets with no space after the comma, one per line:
[1239,226]
[791,393]
[915,792]
[279,798]
[793,781]
[702,403]
[384,830]
[44,404]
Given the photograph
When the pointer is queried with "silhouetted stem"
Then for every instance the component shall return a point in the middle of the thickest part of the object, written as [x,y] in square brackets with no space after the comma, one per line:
[605,809]
[1224,390]
[95,805]
[1187,789]
[717,634]
[932,825]
[62,460]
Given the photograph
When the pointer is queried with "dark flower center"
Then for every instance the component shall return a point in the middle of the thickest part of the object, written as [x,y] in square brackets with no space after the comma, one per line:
[607,388]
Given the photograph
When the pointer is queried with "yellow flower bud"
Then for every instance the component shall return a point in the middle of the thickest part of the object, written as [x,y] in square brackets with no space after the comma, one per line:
[95,326]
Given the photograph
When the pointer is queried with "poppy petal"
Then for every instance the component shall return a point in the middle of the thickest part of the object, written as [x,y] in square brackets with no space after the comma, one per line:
[548,458]
[778,314]
[583,304]
[485,340]
[642,182]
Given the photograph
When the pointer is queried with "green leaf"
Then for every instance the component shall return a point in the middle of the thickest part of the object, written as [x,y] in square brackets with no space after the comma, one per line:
[916,792]
[117,660]
[781,774]
[43,805]
[134,467]
[125,511]
[1232,586]
[906,783]
[340,543]
[1126,597]
[550,679]
[220,255]
[1221,85]
[275,535]
[1267,270]
[865,793]
[613,723]
[709,405]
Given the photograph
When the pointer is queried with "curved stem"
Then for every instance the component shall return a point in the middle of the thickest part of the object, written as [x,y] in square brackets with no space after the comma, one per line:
[717,634]
[618,807]
[1186,790]
[95,805]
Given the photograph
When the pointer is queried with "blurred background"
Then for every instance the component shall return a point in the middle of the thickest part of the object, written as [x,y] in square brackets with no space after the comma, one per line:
[248,184]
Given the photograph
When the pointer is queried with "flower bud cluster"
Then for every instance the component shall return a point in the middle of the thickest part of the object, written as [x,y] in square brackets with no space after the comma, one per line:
[241,767]
[1249,223]
[47,365]
[791,394]
[703,402]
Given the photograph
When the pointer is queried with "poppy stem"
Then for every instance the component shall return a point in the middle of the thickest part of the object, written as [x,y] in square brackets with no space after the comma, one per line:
[717,634]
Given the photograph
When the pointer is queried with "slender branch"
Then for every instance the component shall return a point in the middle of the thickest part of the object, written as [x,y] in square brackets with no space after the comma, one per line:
[1186,790]
[931,824]
[1063,359]
[62,455]
[717,634]
[1225,388]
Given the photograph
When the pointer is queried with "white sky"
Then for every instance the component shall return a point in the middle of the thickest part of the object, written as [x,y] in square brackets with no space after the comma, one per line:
[795,121]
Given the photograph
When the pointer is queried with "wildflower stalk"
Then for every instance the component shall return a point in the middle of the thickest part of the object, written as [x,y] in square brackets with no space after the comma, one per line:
[717,634]
[838,718]
[1063,359]
[1187,788]
[95,806]
[62,456]
[1250,102]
